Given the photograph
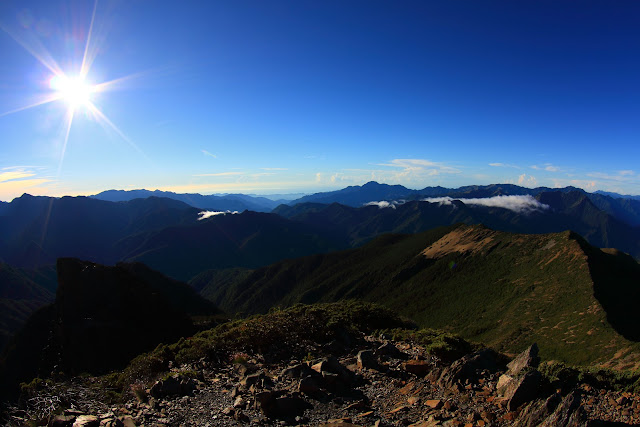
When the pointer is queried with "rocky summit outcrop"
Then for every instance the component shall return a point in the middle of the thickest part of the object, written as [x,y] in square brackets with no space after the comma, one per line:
[361,386]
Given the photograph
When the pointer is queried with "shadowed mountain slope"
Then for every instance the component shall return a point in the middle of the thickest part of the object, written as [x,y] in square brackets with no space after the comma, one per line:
[21,293]
[504,289]
[249,239]
[102,317]
[35,231]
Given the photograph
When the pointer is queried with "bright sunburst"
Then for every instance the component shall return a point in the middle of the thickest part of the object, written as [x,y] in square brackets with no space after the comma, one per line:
[74,91]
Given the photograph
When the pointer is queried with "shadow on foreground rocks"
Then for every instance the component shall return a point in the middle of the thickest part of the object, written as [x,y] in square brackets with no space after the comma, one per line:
[373,382]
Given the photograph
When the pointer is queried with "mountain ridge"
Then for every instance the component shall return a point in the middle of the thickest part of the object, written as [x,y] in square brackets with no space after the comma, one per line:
[500,288]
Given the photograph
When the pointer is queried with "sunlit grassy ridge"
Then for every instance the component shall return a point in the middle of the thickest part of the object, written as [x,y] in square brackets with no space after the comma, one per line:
[507,290]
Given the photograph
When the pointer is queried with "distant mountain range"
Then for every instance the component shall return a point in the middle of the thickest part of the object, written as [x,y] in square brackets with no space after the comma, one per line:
[494,287]
[624,208]
[552,211]
[227,202]
[35,231]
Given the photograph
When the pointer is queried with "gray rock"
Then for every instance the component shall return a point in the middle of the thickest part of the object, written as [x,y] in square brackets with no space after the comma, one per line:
[522,390]
[568,414]
[252,379]
[62,421]
[86,421]
[308,385]
[331,365]
[297,371]
[390,350]
[366,359]
[173,386]
[127,421]
[536,412]
[111,422]
[528,359]
[469,367]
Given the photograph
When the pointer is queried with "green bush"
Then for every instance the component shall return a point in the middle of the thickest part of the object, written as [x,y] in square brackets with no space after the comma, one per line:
[282,333]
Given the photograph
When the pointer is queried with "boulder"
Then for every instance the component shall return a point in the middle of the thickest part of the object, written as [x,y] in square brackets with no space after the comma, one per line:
[569,413]
[366,359]
[469,367]
[87,421]
[331,365]
[62,421]
[252,379]
[173,386]
[390,350]
[308,385]
[298,371]
[522,390]
[536,412]
[519,385]
[273,405]
[417,367]
[553,411]
[528,359]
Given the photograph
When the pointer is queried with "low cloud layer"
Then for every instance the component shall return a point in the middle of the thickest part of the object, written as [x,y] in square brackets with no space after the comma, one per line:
[207,214]
[384,204]
[519,204]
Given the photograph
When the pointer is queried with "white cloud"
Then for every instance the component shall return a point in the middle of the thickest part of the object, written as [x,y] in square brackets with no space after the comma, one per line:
[206,153]
[503,165]
[14,181]
[12,175]
[527,180]
[520,204]
[620,176]
[421,165]
[416,170]
[207,214]
[384,204]
[546,167]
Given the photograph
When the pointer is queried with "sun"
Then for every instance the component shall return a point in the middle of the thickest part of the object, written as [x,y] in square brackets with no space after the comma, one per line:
[74,91]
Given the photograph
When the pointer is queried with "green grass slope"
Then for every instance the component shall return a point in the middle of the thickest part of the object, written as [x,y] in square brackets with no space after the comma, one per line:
[506,290]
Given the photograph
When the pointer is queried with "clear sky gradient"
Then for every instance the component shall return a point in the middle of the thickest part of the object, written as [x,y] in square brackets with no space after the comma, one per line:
[305,96]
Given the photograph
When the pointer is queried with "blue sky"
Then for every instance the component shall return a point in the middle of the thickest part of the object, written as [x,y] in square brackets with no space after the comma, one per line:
[304,96]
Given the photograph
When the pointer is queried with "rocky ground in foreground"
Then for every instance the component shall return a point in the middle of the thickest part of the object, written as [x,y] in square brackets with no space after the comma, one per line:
[368,381]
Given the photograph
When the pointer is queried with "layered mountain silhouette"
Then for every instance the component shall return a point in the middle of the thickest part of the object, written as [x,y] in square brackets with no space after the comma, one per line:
[499,288]
[102,318]
[249,239]
[623,208]
[557,211]
[35,231]
[227,202]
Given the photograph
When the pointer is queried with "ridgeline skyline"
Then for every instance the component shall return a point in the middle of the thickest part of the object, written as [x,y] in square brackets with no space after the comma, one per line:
[302,97]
